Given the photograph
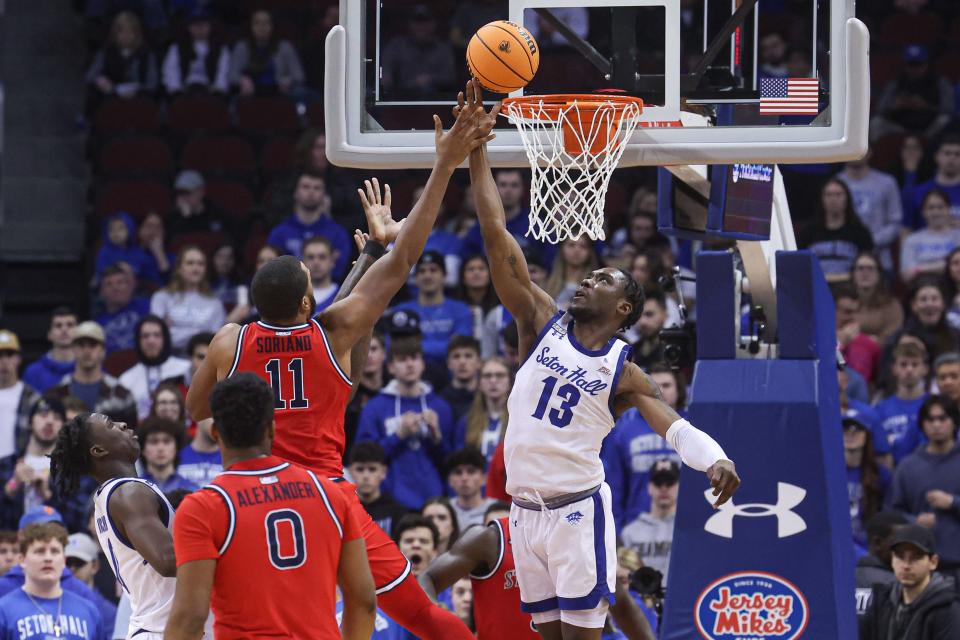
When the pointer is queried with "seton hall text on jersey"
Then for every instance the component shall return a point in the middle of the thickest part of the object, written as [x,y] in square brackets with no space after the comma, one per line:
[577,375]
[274,493]
[278,343]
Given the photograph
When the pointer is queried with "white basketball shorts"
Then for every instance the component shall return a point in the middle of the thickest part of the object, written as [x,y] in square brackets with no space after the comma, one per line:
[566,558]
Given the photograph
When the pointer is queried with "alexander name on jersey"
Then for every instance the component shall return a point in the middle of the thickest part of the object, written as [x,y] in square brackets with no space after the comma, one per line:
[282,343]
[274,491]
[577,375]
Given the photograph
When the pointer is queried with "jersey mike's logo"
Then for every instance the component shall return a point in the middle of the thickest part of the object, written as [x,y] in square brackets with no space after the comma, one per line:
[788,522]
[751,605]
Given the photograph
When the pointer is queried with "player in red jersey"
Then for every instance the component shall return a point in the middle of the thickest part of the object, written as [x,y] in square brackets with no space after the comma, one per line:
[485,554]
[256,583]
[303,359]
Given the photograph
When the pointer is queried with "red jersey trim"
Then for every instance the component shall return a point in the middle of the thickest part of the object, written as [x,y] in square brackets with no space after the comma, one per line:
[326,501]
[232,525]
[236,355]
[503,547]
[333,358]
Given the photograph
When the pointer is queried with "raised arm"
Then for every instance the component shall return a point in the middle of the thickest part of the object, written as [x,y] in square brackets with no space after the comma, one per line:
[351,318]
[135,509]
[477,548]
[529,304]
[697,449]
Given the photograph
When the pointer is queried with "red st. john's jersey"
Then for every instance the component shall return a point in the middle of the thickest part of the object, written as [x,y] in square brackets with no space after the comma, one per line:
[496,596]
[276,531]
[310,390]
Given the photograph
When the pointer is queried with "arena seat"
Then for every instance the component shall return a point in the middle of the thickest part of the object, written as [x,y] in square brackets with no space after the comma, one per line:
[276,157]
[902,29]
[266,116]
[136,197]
[208,241]
[220,156]
[126,115]
[192,114]
[138,156]
[119,361]
[235,198]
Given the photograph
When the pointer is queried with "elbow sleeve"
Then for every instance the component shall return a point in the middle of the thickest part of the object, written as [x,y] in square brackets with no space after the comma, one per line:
[697,449]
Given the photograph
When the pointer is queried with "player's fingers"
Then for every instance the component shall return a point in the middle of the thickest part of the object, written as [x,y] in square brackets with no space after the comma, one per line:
[471,97]
[495,111]
[460,100]
[376,191]
[363,199]
[369,188]
[437,127]
[386,197]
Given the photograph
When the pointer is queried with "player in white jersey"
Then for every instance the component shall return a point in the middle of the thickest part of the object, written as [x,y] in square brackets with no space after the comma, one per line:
[574,380]
[134,519]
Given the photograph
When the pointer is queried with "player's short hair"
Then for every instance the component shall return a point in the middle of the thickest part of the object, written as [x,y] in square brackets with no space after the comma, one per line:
[633,292]
[882,524]
[950,357]
[367,451]
[204,338]
[467,456]
[463,342]
[70,459]
[910,349]
[405,347]
[415,521]
[499,505]
[42,532]
[242,408]
[317,240]
[278,287]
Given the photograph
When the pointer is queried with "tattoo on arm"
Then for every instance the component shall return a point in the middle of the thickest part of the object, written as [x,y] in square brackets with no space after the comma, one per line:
[512,261]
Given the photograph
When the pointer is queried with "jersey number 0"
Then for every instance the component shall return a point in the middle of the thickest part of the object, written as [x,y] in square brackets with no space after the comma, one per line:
[295,367]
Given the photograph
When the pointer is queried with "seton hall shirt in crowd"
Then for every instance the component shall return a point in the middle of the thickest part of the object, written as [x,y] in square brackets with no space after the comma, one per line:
[290,234]
[199,468]
[23,619]
[898,422]
[119,325]
[439,322]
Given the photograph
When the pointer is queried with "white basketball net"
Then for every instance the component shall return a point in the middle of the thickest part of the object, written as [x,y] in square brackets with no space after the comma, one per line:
[571,175]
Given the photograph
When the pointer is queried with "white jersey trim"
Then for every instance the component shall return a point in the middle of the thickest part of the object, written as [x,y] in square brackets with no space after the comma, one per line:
[295,327]
[236,355]
[503,549]
[257,472]
[232,525]
[326,501]
[333,358]
[393,584]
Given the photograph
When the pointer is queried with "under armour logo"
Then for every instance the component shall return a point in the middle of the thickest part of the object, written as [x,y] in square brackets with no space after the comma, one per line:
[605,371]
[788,522]
[575,517]
[557,331]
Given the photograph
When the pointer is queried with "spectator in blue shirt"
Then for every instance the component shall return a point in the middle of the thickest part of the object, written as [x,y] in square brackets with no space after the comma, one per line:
[200,461]
[440,318]
[119,245]
[897,414]
[160,440]
[947,178]
[49,369]
[633,447]
[413,424]
[311,217]
[122,311]
[510,186]
[42,608]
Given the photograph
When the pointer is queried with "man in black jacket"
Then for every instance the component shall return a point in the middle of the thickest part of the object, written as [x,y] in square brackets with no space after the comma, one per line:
[874,568]
[920,605]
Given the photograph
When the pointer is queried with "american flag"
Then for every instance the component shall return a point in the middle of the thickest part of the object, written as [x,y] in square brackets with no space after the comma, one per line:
[789,96]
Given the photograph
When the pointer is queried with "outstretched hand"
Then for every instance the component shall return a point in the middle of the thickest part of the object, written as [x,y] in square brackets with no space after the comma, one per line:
[381,226]
[724,480]
[471,130]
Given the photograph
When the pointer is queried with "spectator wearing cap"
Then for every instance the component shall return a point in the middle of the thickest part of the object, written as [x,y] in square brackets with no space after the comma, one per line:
[62,613]
[83,561]
[946,369]
[946,178]
[50,368]
[367,466]
[155,363]
[121,309]
[413,424]
[651,534]
[511,188]
[197,63]
[466,474]
[874,568]
[312,217]
[919,100]
[9,552]
[119,232]
[867,481]
[418,64]
[320,257]
[101,392]
[263,63]
[926,485]
[193,212]
[440,317]
[921,604]
[161,440]
[16,397]
[463,362]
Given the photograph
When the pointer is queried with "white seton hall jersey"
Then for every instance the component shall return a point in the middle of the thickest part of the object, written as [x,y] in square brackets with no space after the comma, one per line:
[561,409]
[151,595]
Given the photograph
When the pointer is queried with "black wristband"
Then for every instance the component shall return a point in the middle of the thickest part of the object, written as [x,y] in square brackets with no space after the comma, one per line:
[374,249]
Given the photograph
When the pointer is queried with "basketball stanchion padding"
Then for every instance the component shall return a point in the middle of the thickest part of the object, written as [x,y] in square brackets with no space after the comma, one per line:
[573,144]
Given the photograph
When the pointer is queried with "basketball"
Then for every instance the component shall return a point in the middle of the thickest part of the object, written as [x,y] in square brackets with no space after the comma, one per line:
[503,56]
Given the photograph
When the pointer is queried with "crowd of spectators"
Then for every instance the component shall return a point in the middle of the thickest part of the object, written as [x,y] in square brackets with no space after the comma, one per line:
[172,253]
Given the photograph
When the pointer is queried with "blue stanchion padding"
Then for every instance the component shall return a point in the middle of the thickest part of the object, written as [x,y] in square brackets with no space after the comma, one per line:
[717,339]
[776,563]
